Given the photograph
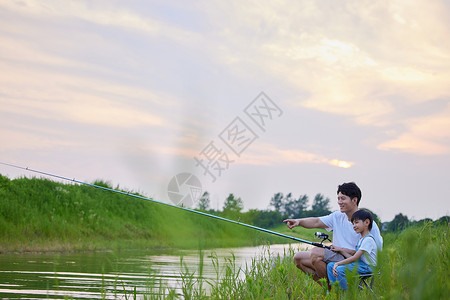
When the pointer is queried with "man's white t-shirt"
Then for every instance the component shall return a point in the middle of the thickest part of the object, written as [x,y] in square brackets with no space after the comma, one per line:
[343,234]
[369,247]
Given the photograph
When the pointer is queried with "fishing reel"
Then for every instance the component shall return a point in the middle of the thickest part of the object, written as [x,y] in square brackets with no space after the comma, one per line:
[322,236]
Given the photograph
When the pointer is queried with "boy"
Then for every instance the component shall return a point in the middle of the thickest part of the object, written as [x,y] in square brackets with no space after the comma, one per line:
[366,251]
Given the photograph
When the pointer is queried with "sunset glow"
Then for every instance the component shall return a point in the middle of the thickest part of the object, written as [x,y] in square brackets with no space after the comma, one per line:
[132,92]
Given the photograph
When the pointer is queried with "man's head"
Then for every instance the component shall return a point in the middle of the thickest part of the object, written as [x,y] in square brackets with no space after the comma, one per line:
[351,190]
[364,216]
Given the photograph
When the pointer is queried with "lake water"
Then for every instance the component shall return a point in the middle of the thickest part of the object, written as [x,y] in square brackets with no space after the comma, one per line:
[110,275]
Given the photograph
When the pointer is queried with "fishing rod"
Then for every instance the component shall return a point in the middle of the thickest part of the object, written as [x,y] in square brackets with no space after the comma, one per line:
[317,234]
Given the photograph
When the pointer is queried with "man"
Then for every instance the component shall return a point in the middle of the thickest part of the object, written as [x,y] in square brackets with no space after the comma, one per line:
[315,261]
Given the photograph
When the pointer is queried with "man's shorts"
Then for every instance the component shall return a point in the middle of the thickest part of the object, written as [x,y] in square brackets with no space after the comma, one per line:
[331,256]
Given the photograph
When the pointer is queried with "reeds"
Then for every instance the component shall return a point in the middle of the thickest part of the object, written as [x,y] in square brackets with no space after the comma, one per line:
[413,265]
[40,215]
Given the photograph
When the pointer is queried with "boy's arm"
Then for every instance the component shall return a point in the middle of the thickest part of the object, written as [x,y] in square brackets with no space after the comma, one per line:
[350,259]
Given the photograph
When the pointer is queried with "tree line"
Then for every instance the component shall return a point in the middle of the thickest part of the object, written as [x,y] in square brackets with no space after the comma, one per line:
[401,222]
[281,207]
[288,206]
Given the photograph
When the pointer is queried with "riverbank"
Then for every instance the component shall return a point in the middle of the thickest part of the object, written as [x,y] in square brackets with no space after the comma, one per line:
[413,265]
[40,215]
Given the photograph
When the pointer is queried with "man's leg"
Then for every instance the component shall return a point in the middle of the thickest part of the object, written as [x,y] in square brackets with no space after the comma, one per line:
[317,255]
[302,260]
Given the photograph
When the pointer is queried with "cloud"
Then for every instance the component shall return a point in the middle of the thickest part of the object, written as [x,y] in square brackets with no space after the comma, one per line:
[44,86]
[63,97]
[102,13]
[341,163]
[411,143]
[27,139]
[353,59]
[270,155]
[267,155]
[428,135]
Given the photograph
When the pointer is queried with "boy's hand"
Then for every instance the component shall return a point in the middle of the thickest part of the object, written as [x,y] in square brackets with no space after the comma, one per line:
[335,273]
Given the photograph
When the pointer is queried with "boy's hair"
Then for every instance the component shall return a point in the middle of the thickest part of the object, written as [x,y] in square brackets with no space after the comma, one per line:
[363,215]
[350,189]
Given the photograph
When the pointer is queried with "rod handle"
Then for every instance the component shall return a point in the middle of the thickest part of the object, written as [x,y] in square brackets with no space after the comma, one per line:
[321,245]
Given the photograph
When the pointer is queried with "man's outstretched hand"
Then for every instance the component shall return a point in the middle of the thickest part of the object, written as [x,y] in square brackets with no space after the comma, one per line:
[291,223]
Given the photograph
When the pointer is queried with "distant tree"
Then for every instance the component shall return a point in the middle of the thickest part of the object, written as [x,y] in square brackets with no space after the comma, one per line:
[302,204]
[295,208]
[232,208]
[203,202]
[442,221]
[384,226]
[262,218]
[422,222]
[399,223]
[233,204]
[321,205]
[277,201]
[288,206]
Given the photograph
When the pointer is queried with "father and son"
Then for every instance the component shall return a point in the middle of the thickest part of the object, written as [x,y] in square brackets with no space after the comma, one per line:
[356,239]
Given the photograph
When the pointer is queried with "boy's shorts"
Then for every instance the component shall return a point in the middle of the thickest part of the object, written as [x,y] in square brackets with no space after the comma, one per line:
[331,256]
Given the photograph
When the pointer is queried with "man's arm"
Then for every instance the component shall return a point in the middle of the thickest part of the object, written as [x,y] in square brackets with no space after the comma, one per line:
[305,222]
[344,251]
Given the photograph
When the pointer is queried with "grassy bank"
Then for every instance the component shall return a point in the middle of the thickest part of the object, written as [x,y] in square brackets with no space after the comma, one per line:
[413,265]
[43,215]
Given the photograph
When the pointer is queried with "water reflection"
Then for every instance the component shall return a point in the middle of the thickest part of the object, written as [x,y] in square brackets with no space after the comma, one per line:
[111,275]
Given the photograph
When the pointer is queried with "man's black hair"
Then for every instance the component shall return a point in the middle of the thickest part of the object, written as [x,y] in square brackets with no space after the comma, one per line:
[350,189]
[363,215]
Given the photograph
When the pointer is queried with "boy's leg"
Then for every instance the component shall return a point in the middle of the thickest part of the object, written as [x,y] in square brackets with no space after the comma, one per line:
[363,268]
[327,257]
[341,274]
[341,277]
[330,275]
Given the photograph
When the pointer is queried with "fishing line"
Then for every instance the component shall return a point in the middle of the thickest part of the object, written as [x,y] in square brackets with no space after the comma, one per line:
[167,204]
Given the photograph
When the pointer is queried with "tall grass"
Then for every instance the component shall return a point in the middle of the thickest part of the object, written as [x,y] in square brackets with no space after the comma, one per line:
[413,265]
[43,215]
[38,214]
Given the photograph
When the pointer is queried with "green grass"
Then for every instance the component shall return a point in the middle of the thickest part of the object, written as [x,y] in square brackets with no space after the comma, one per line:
[413,265]
[43,215]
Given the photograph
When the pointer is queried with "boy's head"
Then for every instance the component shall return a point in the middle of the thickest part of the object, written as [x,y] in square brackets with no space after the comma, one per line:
[363,215]
[351,190]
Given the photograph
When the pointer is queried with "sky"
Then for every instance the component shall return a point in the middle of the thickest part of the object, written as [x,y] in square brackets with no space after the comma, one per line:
[245,97]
